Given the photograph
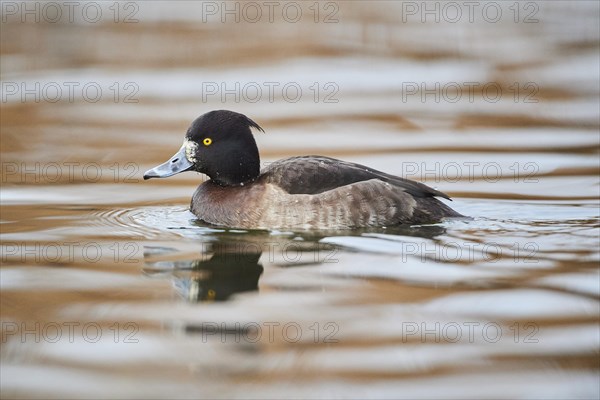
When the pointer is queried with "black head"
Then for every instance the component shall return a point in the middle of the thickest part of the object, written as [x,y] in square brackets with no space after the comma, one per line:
[218,144]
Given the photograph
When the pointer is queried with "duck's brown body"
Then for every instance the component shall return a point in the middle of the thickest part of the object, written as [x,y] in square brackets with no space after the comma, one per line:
[323,193]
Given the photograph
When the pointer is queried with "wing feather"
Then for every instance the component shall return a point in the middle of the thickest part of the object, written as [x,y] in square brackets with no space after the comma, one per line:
[318,174]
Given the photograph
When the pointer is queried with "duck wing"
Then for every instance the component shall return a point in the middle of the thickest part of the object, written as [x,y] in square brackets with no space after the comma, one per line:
[318,174]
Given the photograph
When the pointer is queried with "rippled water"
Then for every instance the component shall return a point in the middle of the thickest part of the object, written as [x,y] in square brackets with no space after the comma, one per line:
[111,288]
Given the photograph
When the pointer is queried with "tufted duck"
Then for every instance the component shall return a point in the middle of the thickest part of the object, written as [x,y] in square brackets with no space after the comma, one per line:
[305,192]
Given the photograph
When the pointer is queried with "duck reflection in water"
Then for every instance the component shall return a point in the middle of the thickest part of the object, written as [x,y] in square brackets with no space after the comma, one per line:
[231,269]
[227,265]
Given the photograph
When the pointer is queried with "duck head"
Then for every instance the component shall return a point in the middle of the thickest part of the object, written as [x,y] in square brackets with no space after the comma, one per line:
[218,144]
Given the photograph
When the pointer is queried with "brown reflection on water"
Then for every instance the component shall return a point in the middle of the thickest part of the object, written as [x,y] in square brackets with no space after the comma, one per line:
[110,288]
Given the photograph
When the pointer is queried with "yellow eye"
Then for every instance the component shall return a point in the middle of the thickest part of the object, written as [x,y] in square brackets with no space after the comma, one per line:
[207,141]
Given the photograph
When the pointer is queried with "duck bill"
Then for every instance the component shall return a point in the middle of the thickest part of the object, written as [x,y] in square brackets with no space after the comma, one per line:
[176,164]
